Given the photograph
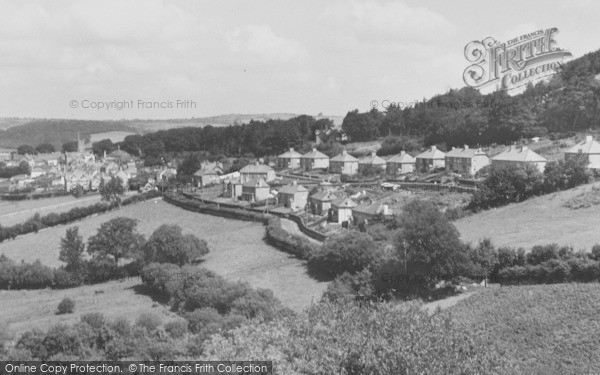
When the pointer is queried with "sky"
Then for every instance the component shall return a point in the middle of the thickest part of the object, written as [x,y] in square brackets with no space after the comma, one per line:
[66,59]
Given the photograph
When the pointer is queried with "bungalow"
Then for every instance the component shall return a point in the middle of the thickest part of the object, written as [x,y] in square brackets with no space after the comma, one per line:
[369,210]
[466,160]
[342,209]
[289,159]
[257,171]
[314,160]
[208,174]
[320,202]
[343,163]
[372,161]
[519,156]
[430,160]
[589,149]
[293,196]
[255,190]
[400,164]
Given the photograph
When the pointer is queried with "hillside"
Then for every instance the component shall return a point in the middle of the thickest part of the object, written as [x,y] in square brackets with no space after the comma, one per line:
[537,221]
[541,329]
[15,132]
[56,132]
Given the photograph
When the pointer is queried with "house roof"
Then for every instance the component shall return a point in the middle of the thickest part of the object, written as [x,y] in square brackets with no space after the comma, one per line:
[402,158]
[323,196]
[432,153]
[465,152]
[370,208]
[293,189]
[519,154]
[291,153]
[589,146]
[344,157]
[256,183]
[372,159]
[256,168]
[343,202]
[315,154]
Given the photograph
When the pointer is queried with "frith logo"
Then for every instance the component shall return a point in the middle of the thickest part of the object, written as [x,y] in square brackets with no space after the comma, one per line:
[515,63]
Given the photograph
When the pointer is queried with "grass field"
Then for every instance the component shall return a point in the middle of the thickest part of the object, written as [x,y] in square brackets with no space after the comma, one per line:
[537,221]
[543,329]
[237,249]
[14,212]
[25,309]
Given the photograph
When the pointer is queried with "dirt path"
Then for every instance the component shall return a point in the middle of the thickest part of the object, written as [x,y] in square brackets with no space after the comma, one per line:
[292,228]
[446,302]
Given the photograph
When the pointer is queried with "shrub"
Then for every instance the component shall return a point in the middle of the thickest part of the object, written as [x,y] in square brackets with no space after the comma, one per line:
[64,279]
[149,321]
[349,252]
[66,306]
[93,319]
[177,328]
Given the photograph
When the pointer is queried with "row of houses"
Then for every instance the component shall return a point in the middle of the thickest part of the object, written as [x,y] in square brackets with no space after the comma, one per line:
[466,160]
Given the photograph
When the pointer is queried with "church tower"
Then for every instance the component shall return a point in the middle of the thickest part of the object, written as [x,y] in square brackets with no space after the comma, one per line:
[80,145]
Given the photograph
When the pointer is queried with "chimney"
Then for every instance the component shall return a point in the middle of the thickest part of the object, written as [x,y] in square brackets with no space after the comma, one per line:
[402,153]
[589,138]
[104,154]
[257,162]
[344,152]
[314,149]
[524,148]
[295,182]
[466,147]
[291,149]
[373,154]
[433,148]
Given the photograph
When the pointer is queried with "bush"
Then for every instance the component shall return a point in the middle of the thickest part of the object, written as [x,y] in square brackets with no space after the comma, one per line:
[66,306]
[94,320]
[349,252]
[149,321]
[177,328]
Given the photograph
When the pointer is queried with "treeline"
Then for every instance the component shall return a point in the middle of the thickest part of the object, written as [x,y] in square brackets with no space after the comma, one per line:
[8,172]
[518,183]
[257,138]
[567,103]
[38,222]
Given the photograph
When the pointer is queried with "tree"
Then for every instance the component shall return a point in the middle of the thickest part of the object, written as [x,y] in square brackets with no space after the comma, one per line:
[71,249]
[45,148]
[26,149]
[105,145]
[428,247]
[349,252]
[361,127]
[112,190]
[70,146]
[117,238]
[168,245]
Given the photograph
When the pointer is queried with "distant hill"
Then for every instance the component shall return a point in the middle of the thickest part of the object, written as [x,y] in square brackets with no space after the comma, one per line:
[56,132]
[15,132]
[148,126]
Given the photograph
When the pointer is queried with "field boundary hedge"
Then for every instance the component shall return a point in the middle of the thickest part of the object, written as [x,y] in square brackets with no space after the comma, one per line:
[26,196]
[37,222]
[275,234]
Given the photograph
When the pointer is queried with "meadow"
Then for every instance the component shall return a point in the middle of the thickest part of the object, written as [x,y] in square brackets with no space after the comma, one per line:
[14,212]
[542,329]
[237,249]
[537,221]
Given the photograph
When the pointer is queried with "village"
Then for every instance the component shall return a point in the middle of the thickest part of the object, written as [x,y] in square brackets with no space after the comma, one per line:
[328,194]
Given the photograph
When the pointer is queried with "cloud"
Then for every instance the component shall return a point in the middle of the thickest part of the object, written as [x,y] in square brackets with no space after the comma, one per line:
[383,22]
[260,42]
